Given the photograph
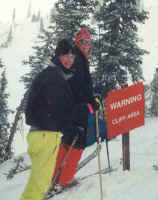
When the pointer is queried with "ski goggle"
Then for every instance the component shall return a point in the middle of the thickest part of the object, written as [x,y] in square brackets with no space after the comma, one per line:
[85,42]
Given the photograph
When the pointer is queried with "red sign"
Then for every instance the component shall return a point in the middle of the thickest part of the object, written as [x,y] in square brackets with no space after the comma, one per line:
[125,109]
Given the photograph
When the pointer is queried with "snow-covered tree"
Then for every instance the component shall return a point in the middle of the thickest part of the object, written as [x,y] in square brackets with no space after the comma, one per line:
[33,19]
[70,15]
[38,15]
[41,25]
[4,112]
[154,89]
[13,15]
[29,12]
[120,57]
[10,36]
[8,39]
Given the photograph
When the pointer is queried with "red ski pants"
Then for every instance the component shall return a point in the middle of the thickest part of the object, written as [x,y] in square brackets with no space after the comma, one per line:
[70,167]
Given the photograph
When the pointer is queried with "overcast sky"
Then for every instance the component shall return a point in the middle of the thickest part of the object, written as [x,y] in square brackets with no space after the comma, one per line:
[21,6]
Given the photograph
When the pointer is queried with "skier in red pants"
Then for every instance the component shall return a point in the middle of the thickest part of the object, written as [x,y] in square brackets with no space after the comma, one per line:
[81,85]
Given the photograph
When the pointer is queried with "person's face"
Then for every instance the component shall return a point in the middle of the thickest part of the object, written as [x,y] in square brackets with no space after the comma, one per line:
[85,46]
[67,60]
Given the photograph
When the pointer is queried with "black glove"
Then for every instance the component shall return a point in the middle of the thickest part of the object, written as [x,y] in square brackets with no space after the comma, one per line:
[79,131]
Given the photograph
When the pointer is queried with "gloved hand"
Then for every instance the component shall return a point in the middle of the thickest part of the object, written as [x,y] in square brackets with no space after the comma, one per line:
[98,100]
[96,105]
[81,133]
[76,130]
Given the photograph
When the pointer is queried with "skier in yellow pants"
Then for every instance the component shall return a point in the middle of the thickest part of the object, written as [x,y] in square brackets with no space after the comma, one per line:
[50,110]
[43,162]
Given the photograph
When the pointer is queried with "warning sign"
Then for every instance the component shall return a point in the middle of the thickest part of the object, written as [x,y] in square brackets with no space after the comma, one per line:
[125,109]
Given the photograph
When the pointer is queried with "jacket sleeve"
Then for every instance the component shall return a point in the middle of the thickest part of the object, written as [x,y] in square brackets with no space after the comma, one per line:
[89,82]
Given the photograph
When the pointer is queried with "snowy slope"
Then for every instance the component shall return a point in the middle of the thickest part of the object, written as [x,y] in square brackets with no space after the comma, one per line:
[24,36]
[138,183]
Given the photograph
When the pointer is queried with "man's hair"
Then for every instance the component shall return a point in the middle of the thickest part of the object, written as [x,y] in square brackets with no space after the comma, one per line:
[63,48]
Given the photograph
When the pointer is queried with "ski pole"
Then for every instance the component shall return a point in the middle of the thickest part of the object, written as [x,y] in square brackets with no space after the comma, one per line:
[57,176]
[98,151]
[107,150]
[107,147]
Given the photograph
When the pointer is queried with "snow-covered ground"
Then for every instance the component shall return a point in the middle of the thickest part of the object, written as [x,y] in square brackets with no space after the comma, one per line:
[138,183]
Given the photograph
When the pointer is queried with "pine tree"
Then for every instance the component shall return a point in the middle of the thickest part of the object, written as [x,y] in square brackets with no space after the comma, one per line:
[154,89]
[29,13]
[119,57]
[4,112]
[34,18]
[14,15]
[38,15]
[70,15]
[10,36]
[8,39]
[41,25]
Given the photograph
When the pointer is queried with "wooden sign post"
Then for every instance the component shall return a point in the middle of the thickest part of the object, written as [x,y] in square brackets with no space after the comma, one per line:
[125,112]
[126,151]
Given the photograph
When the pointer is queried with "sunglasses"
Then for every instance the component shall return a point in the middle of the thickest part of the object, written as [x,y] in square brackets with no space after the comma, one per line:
[85,42]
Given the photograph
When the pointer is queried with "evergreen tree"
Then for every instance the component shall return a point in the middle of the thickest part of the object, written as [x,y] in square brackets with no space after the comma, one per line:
[41,25]
[4,112]
[154,89]
[118,54]
[10,36]
[38,15]
[70,15]
[13,16]
[29,11]
[34,18]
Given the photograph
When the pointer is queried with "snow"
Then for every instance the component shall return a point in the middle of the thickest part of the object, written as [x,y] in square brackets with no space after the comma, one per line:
[148,32]
[140,182]
[24,36]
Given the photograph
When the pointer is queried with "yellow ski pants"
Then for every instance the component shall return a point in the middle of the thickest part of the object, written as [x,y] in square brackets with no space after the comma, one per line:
[43,147]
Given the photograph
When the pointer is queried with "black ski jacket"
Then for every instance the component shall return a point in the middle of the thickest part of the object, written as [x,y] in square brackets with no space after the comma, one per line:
[81,83]
[51,104]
